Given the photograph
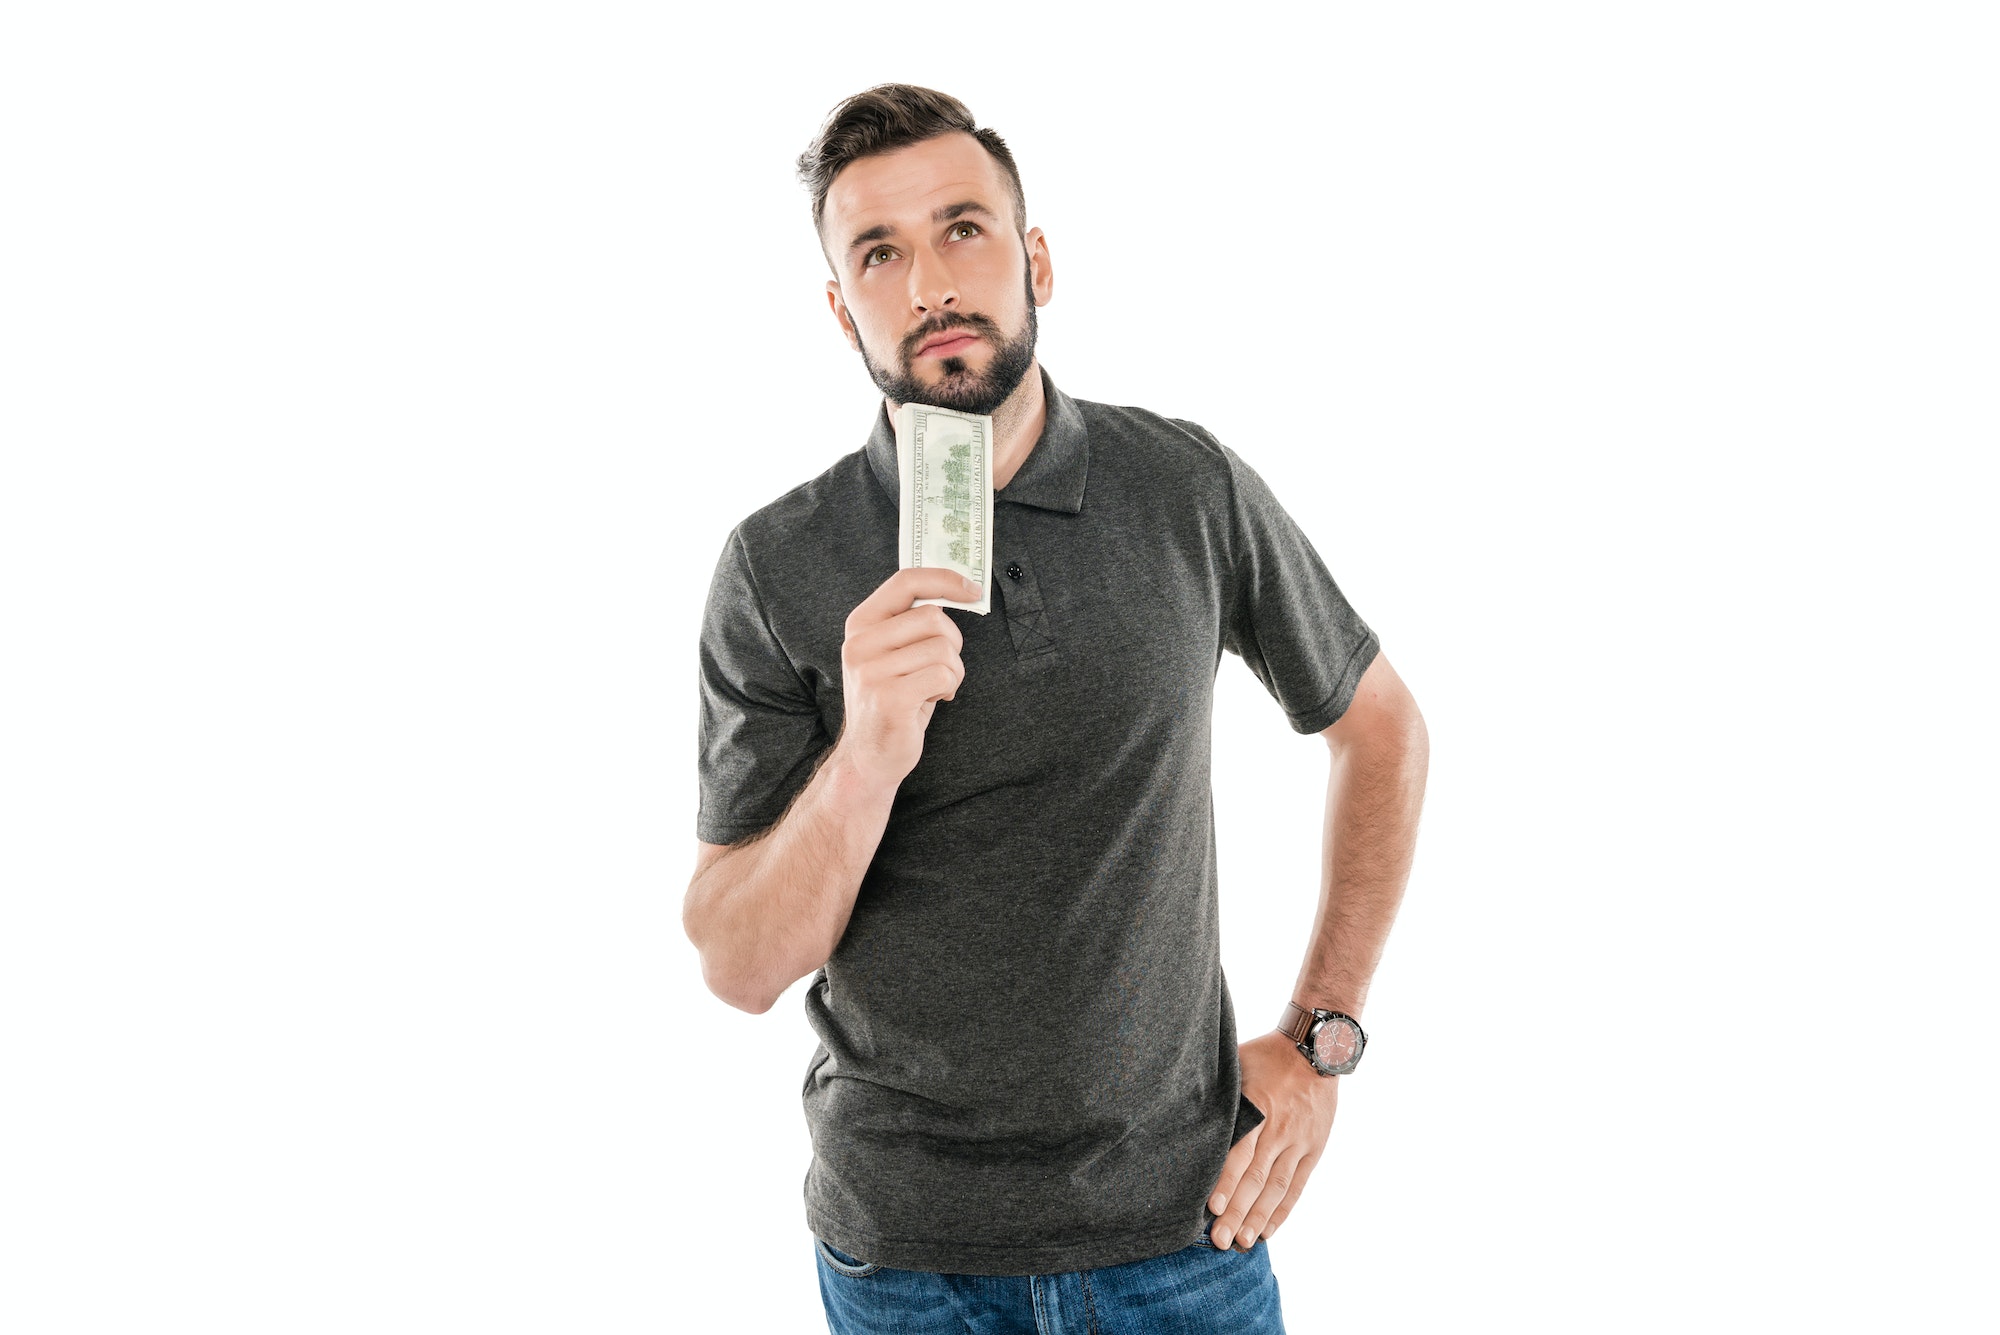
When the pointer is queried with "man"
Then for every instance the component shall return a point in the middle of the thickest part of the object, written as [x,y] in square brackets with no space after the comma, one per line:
[990,838]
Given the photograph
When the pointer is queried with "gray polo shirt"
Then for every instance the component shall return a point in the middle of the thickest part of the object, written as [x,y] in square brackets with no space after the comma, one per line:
[1027,1059]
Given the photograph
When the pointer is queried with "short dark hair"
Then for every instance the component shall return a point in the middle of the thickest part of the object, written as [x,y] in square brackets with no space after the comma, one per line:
[891,116]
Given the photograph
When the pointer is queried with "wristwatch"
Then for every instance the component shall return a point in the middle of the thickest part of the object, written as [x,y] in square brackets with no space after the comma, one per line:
[1330,1040]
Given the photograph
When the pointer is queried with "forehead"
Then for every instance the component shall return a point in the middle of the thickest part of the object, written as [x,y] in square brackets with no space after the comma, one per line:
[903,185]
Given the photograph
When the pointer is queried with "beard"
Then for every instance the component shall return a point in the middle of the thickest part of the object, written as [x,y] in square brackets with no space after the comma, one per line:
[959,387]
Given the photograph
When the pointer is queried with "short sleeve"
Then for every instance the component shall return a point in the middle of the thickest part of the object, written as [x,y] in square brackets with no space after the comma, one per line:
[1283,614]
[761,735]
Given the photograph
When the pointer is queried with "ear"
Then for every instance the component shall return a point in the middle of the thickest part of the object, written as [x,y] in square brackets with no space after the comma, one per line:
[839,309]
[1040,268]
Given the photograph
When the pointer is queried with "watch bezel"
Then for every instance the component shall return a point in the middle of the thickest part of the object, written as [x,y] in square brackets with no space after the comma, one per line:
[1308,1047]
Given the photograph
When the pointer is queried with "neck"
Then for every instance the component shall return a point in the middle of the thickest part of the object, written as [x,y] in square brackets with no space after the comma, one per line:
[1017,425]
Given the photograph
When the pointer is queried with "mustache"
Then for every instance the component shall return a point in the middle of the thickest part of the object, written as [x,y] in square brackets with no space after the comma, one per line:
[978,324]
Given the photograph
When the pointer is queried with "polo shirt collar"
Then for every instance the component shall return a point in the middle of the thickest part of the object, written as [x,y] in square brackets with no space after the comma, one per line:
[1050,478]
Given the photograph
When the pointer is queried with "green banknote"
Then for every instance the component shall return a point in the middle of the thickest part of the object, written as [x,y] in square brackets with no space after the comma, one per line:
[945,462]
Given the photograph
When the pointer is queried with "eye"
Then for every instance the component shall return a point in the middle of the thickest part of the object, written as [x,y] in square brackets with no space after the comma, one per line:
[955,226]
[879,250]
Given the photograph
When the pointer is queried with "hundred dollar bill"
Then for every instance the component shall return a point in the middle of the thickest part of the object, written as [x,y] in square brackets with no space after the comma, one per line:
[945,462]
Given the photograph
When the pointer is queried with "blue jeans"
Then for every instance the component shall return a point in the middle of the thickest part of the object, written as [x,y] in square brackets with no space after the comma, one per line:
[1198,1290]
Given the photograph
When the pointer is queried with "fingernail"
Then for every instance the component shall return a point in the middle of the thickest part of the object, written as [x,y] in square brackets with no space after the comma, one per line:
[970,587]
[1249,1241]
[1218,1204]
[1220,1238]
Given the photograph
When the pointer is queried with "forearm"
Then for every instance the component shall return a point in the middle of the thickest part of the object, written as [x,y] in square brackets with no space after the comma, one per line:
[770,911]
[1374,794]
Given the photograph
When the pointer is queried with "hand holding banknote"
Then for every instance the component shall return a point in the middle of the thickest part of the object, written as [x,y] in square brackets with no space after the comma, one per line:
[898,660]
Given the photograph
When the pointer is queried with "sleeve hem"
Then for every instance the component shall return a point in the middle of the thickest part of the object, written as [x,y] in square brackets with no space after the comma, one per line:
[1328,711]
[716,833]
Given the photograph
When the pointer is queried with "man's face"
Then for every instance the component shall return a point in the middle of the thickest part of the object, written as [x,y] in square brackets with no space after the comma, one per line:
[931,274]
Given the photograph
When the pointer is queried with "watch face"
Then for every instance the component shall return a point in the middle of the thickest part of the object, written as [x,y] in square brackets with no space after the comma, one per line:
[1335,1043]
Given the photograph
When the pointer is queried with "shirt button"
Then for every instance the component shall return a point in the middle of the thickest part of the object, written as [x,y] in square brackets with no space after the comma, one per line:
[1013,570]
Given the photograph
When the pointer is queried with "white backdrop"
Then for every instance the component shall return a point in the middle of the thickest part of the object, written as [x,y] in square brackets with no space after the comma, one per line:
[380,382]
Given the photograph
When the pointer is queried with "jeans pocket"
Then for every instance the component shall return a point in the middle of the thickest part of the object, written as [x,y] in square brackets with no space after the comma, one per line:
[841,1263]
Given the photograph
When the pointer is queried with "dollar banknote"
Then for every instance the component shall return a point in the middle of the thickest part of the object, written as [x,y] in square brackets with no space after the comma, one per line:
[945,462]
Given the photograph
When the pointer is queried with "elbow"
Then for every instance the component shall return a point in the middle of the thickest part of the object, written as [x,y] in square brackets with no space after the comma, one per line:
[737,992]
[751,992]
[740,965]
[751,1004]
[717,975]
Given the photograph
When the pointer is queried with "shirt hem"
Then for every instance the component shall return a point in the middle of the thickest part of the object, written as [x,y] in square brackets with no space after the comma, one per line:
[927,1254]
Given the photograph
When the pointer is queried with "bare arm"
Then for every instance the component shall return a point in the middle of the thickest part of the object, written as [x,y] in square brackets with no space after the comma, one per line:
[769,910]
[1380,758]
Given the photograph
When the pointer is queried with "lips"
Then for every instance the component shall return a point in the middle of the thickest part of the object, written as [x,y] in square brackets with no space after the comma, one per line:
[950,344]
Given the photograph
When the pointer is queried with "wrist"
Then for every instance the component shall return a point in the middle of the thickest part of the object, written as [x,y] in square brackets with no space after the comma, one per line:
[855,779]
[1345,1003]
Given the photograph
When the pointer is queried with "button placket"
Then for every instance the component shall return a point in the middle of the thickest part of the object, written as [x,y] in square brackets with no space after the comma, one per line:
[1027,615]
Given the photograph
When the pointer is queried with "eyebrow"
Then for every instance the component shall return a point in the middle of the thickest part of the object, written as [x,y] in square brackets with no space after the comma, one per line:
[943,214]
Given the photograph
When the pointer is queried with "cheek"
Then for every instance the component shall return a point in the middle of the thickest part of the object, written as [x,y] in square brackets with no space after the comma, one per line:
[876,329]
[1003,280]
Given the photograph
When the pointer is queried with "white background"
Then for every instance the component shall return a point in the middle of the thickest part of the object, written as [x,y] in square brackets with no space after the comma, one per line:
[380,382]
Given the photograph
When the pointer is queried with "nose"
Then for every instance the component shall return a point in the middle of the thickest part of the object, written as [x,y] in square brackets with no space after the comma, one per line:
[932,287]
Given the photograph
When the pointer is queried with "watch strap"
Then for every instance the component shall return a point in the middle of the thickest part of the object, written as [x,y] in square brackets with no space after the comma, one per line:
[1297,1023]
